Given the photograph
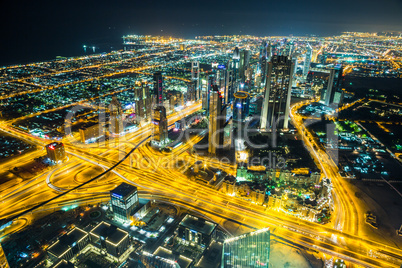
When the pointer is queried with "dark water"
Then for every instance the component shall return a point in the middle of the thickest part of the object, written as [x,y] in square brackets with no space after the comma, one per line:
[28,51]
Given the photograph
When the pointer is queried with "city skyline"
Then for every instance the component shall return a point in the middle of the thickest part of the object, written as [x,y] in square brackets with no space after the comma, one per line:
[44,31]
[200,138]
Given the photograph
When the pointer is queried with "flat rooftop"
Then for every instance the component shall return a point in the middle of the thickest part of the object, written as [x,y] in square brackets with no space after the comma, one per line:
[110,232]
[69,240]
[198,224]
[124,190]
[165,253]
[63,264]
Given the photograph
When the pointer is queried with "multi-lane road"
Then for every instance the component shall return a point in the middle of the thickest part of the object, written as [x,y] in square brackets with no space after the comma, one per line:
[157,180]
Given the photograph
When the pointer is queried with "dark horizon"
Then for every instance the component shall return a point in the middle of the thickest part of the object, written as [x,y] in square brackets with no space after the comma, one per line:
[51,29]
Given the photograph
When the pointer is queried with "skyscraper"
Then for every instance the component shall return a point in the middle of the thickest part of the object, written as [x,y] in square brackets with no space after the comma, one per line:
[216,120]
[139,103]
[236,63]
[263,67]
[157,93]
[247,251]
[243,63]
[230,82]
[191,91]
[124,199]
[277,93]
[263,49]
[334,91]
[236,53]
[3,259]
[269,52]
[307,61]
[116,116]
[160,127]
[195,76]
[241,105]
[207,94]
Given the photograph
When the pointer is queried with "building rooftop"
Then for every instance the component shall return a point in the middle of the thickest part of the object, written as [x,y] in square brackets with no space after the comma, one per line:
[111,233]
[54,145]
[168,256]
[69,240]
[124,190]
[198,224]
[63,264]
[88,125]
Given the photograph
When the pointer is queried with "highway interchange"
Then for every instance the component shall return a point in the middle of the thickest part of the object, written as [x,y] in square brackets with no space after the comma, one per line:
[161,182]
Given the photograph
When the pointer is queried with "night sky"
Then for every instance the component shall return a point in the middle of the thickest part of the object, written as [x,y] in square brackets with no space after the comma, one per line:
[39,30]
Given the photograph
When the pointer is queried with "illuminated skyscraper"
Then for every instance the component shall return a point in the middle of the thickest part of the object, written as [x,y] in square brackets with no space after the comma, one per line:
[160,127]
[263,49]
[191,91]
[139,103]
[236,63]
[216,120]
[307,61]
[241,105]
[334,91]
[157,93]
[247,251]
[230,82]
[277,93]
[3,259]
[263,69]
[236,53]
[195,76]
[211,82]
[116,116]
[124,200]
[243,63]
[269,51]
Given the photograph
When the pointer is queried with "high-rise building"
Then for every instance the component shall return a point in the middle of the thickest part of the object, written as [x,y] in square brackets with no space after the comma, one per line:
[334,93]
[211,82]
[236,63]
[230,82]
[247,250]
[243,63]
[236,53]
[288,49]
[56,152]
[191,91]
[263,69]
[160,127]
[241,105]
[124,200]
[116,116]
[221,78]
[307,61]
[263,49]
[269,52]
[195,76]
[322,58]
[139,103]
[217,119]
[157,93]
[277,93]
[3,259]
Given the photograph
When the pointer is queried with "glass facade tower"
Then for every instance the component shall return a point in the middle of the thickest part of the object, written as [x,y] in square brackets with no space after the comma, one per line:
[124,199]
[247,250]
